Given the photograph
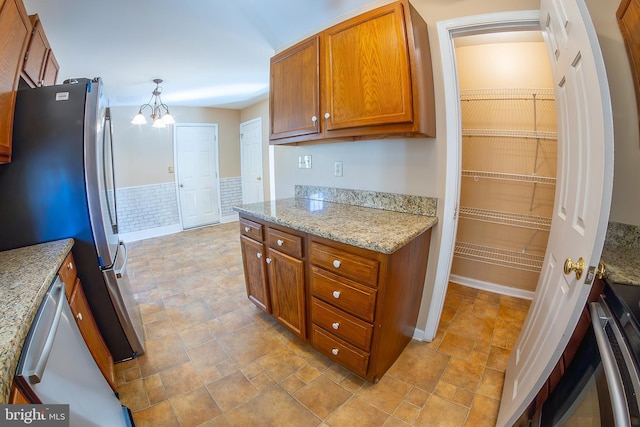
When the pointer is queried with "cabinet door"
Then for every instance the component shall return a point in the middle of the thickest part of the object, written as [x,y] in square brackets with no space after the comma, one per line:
[14,32]
[255,273]
[36,55]
[367,76]
[295,91]
[91,334]
[51,68]
[286,276]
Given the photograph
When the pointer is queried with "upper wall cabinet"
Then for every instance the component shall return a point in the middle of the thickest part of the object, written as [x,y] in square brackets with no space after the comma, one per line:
[40,65]
[14,35]
[369,76]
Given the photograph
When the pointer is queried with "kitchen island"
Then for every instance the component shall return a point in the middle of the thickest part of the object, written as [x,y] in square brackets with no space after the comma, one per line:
[343,269]
[25,276]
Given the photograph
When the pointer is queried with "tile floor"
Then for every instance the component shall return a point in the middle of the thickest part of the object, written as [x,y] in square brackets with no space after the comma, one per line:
[214,359]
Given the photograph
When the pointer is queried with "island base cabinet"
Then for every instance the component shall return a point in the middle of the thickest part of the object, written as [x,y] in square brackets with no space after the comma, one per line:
[356,306]
[253,255]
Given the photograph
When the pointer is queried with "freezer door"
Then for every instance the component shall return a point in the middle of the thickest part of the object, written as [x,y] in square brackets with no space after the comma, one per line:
[122,298]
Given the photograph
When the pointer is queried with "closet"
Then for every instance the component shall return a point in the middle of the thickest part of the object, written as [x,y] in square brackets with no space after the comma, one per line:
[509,151]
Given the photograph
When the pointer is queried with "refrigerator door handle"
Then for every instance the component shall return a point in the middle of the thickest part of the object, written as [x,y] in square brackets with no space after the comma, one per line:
[121,271]
[36,375]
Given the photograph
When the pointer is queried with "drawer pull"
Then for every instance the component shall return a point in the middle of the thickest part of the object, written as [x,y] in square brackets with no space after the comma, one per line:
[335,325]
[70,266]
[259,254]
[268,260]
[336,294]
[247,229]
[79,316]
[280,242]
[336,263]
[335,351]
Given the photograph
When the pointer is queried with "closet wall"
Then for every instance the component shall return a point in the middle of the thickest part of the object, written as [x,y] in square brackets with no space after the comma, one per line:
[508,161]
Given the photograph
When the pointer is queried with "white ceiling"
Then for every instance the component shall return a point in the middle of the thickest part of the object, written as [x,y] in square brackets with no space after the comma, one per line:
[209,52]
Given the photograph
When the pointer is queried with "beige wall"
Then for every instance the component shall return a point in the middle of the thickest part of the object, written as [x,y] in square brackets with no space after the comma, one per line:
[261,109]
[625,204]
[143,154]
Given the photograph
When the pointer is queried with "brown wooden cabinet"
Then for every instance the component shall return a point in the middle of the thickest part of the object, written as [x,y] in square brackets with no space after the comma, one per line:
[14,35]
[85,320]
[17,397]
[628,15]
[40,66]
[361,305]
[275,273]
[369,76]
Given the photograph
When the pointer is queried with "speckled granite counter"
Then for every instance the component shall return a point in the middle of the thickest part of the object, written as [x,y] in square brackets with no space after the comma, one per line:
[376,229]
[25,276]
[621,254]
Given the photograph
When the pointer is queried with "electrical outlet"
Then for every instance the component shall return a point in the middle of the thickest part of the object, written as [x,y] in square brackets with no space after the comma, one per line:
[337,169]
[170,169]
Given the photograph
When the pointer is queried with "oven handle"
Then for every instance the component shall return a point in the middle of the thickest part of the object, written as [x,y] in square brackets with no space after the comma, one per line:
[618,402]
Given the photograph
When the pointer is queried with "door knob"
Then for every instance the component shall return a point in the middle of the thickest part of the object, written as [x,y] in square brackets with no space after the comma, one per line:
[601,270]
[571,266]
[259,178]
[181,185]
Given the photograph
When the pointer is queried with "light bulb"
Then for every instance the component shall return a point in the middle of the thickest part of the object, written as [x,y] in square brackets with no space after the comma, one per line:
[158,123]
[168,119]
[138,119]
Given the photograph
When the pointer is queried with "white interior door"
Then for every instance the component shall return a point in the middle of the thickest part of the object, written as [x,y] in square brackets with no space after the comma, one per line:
[251,161]
[581,207]
[197,174]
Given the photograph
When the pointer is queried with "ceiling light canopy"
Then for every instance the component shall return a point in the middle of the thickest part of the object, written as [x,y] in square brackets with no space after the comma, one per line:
[159,111]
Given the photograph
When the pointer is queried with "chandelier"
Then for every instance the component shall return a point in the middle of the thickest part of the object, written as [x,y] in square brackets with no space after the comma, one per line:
[159,111]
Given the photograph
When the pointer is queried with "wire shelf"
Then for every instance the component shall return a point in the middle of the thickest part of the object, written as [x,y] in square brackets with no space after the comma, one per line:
[499,257]
[509,177]
[506,94]
[533,222]
[493,133]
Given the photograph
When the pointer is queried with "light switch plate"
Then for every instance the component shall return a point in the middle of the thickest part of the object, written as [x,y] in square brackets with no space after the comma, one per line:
[304,162]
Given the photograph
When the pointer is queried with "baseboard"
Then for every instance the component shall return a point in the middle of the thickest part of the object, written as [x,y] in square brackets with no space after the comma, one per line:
[419,335]
[149,233]
[229,218]
[491,287]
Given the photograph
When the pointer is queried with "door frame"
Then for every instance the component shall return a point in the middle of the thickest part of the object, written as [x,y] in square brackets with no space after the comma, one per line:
[447,30]
[177,171]
[259,121]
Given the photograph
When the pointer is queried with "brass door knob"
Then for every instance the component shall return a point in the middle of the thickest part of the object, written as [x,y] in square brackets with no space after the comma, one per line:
[601,270]
[571,266]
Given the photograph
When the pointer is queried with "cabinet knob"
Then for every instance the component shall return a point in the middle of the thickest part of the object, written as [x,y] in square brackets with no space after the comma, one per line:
[268,260]
[259,254]
[336,263]
[335,351]
[70,266]
[335,325]
[314,119]
[280,242]
[79,316]
[246,229]
[327,115]
[336,294]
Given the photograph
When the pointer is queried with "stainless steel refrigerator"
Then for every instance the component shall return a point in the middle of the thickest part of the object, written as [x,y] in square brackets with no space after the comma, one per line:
[61,184]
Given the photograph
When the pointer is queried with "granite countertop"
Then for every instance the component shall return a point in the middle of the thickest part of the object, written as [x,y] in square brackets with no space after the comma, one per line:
[376,229]
[621,254]
[25,276]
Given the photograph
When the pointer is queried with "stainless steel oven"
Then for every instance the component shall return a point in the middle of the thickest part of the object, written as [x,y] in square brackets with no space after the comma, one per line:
[601,386]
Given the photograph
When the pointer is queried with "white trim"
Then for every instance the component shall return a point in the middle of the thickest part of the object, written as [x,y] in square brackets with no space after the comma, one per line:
[149,233]
[272,172]
[229,218]
[176,171]
[447,30]
[491,287]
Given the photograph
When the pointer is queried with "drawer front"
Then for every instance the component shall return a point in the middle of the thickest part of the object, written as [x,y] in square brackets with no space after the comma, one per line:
[252,229]
[340,351]
[345,294]
[346,264]
[339,323]
[285,242]
[68,274]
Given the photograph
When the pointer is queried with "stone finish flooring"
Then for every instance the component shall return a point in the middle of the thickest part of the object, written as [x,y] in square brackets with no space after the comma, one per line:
[214,359]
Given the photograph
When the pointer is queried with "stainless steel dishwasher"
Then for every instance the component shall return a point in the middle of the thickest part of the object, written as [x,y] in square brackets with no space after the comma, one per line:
[56,367]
